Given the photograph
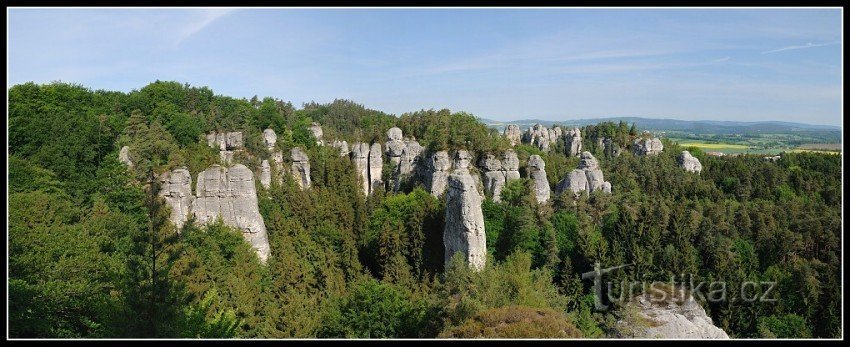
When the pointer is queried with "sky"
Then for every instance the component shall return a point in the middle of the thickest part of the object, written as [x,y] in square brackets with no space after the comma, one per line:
[501,64]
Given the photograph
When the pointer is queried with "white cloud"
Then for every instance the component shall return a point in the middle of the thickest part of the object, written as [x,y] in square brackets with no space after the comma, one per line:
[208,16]
[808,45]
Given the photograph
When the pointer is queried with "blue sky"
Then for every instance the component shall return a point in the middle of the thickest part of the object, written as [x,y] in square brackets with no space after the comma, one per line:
[556,64]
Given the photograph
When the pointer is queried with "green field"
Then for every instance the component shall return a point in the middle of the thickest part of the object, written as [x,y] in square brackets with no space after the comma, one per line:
[756,147]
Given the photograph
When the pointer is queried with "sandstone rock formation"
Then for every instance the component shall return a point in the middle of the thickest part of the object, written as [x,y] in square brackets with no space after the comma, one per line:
[300,167]
[125,157]
[572,142]
[689,162]
[494,176]
[773,158]
[537,172]
[438,173]
[648,146]
[464,226]
[360,157]
[342,146]
[410,157]
[510,163]
[227,144]
[586,178]
[269,138]
[376,167]
[316,129]
[539,136]
[668,319]
[394,145]
[176,188]
[513,134]
[265,174]
[610,148]
[231,195]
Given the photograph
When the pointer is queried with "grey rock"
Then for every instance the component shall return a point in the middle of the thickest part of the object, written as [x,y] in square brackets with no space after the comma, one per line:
[300,167]
[376,167]
[342,146]
[270,138]
[513,134]
[410,157]
[316,130]
[689,162]
[176,188]
[394,134]
[125,157]
[360,157]
[510,163]
[606,187]
[464,229]
[572,142]
[394,145]
[265,174]
[494,176]
[645,146]
[231,195]
[668,320]
[438,173]
[462,159]
[610,148]
[537,172]
[587,177]
[226,157]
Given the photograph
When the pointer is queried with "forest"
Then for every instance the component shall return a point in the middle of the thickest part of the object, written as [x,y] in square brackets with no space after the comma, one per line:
[92,253]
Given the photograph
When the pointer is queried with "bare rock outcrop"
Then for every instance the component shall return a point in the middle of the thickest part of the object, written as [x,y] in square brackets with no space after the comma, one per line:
[438,173]
[316,130]
[409,164]
[265,174]
[269,138]
[667,319]
[125,157]
[513,134]
[651,146]
[300,167]
[464,228]
[231,195]
[689,162]
[539,136]
[394,145]
[494,176]
[227,143]
[537,172]
[360,157]
[176,188]
[572,142]
[342,146]
[510,163]
[587,177]
[376,167]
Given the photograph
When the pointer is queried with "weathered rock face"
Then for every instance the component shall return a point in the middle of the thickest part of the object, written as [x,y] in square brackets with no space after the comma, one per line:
[586,178]
[376,167]
[342,146]
[225,141]
[610,148]
[394,145]
[410,157]
[125,157]
[270,138]
[360,157]
[438,173]
[494,176]
[316,129]
[669,320]
[300,167]
[510,163]
[539,136]
[513,134]
[572,142]
[689,162]
[176,188]
[230,194]
[464,228]
[265,174]
[648,146]
[537,172]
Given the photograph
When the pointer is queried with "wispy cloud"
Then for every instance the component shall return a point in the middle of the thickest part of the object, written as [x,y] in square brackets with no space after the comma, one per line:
[208,17]
[808,45]
[721,59]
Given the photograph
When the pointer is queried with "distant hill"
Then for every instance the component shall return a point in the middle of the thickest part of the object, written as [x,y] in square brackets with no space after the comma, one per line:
[694,127]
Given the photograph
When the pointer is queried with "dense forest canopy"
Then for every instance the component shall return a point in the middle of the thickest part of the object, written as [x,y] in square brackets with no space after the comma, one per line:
[93,254]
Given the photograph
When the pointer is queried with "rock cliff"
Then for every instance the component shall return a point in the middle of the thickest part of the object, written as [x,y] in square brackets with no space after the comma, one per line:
[376,167]
[176,188]
[300,167]
[648,146]
[438,173]
[316,130]
[587,177]
[689,162]
[464,228]
[360,157]
[572,142]
[513,134]
[125,157]
[537,172]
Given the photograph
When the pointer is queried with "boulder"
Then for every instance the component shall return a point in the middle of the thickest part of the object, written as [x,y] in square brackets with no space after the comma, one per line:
[125,157]
[438,173]
[537,172]
[464,228]
[231,195]
[646,146]
[300,167]
[376,167]
[269,138]
[513,134]
[667,319]
[316,130]
[689,162]
[360,157]
[176,188]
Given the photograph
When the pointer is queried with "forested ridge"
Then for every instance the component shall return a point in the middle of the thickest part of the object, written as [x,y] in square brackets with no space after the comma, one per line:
[92,252]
